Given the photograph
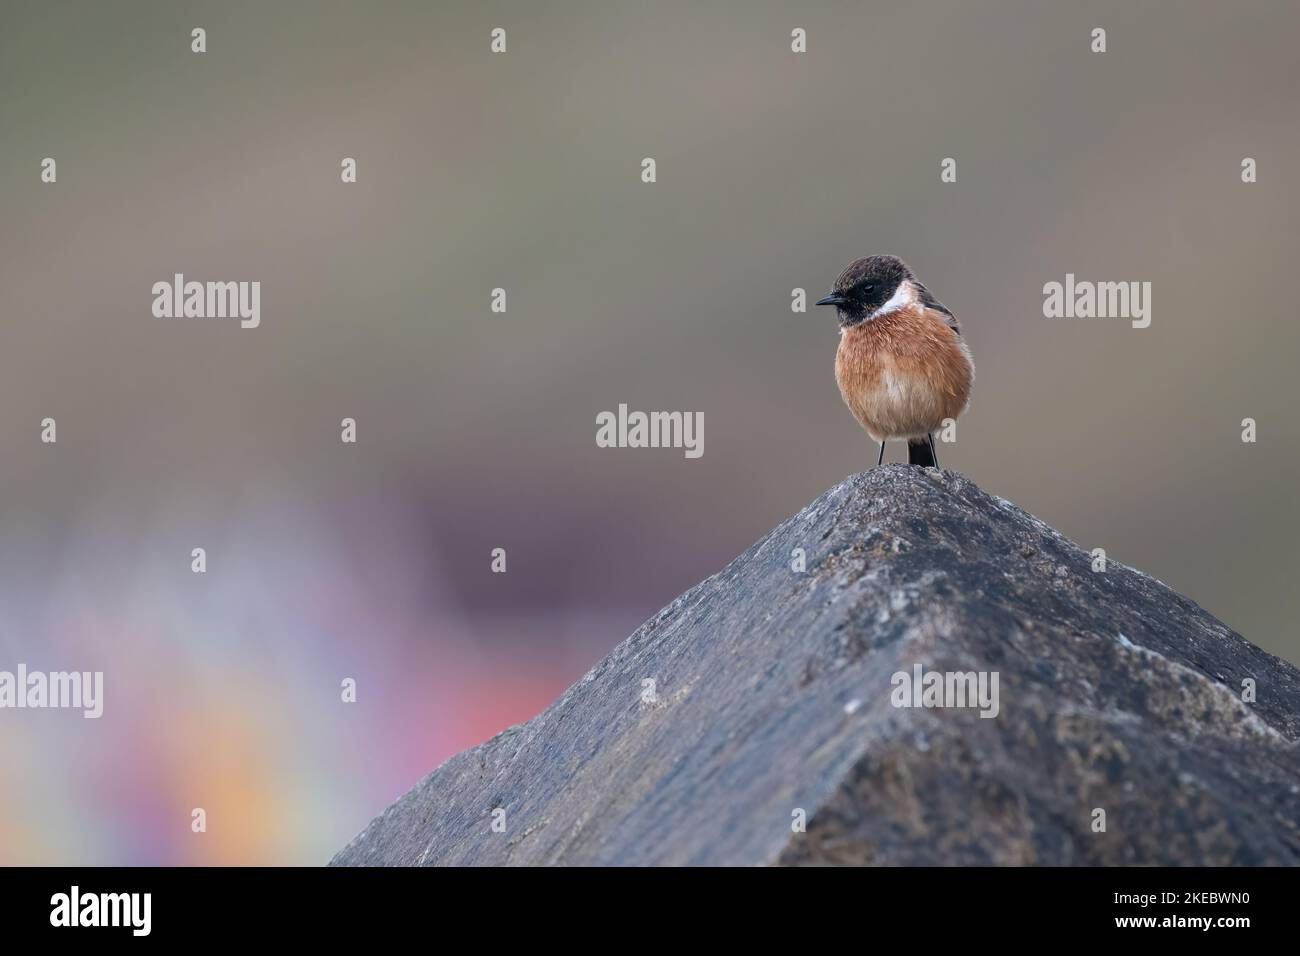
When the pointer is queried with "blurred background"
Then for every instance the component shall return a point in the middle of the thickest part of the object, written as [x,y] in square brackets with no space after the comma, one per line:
[477,430]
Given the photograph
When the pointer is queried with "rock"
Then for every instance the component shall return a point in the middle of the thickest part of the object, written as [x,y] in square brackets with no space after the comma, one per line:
[773,700]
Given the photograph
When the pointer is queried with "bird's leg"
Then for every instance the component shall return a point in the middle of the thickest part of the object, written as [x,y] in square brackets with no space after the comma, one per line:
[933,454]
[881,459]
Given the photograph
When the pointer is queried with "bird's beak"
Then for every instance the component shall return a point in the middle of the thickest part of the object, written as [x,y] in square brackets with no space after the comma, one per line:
[833,299]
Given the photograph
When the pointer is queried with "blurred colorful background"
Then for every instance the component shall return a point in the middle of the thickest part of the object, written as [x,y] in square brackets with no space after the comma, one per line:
[477,430]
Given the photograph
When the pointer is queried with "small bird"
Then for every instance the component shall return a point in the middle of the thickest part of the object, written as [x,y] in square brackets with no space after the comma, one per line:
[902,366]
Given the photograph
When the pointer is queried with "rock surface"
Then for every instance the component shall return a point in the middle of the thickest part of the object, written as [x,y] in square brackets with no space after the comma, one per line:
[774,698]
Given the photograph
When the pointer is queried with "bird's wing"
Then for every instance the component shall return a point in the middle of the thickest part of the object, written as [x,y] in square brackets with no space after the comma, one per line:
[930,302]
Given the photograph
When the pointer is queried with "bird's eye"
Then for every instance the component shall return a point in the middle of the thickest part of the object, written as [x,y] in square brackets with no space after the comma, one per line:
[868,287]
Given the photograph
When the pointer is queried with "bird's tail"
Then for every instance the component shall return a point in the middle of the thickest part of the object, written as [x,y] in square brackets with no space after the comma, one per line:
[920,451]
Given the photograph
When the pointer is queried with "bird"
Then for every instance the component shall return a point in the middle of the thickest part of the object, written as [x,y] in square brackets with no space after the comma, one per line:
[902,365]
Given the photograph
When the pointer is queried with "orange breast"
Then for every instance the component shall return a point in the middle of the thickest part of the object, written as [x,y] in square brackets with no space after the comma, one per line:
[902,374]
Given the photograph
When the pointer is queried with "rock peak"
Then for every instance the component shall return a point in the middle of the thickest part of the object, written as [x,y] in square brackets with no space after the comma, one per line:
[843,713]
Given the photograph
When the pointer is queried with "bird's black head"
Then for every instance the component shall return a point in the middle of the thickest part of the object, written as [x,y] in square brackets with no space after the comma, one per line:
[865,286]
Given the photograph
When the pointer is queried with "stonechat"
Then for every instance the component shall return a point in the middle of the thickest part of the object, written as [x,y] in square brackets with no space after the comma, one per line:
[902,366]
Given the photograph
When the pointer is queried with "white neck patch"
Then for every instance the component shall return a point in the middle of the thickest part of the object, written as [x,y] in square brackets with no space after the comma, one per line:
[903,297]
